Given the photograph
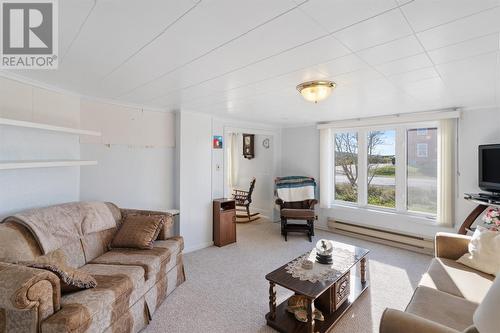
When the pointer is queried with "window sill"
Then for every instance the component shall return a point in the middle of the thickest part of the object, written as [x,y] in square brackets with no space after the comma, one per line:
[413,224]
[419,217]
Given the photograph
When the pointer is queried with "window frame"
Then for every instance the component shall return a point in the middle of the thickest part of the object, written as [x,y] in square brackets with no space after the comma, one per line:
[401,179]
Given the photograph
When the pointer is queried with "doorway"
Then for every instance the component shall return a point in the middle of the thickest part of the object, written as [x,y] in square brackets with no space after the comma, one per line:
[240,170]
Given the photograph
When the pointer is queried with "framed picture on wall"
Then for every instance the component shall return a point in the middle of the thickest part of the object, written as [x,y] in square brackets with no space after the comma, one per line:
[248,146]
[218,142]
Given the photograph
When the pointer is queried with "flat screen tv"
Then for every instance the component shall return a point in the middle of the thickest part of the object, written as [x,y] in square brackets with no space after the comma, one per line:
[489,168]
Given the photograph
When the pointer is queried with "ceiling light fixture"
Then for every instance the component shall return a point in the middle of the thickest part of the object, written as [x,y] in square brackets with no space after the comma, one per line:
[315,91]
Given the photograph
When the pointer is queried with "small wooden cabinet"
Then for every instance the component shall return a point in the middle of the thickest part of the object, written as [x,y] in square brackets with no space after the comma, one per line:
[224,221]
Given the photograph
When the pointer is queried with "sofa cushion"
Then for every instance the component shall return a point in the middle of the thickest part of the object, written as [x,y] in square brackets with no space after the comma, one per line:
[298,213]
[453,278]
[138,232]
[97,243]
[95,309]
[152,261]
[484,251]
[174,244]
[442,308]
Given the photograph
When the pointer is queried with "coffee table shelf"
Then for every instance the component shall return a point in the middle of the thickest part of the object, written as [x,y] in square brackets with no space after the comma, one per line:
[285,321]
[320,295]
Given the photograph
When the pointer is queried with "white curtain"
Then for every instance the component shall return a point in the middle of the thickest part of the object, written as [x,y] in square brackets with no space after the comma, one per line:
[446,172]
[232,160]
[325,171]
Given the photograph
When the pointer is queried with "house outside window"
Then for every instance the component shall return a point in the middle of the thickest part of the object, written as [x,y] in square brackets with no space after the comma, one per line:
[422,149]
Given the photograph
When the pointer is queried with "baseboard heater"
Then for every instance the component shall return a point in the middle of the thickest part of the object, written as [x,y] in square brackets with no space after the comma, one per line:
[379,235]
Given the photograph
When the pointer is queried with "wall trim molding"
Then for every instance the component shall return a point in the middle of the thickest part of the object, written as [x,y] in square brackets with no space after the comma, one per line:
[197,247]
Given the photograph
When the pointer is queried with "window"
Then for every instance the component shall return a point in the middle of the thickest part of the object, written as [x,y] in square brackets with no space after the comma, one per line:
[422,150]
[381,148]
[346,166]
[421,169]
[422,131]
[388,168]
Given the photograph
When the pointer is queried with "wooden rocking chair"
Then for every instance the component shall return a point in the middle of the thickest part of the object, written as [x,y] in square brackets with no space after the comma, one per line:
[244,199]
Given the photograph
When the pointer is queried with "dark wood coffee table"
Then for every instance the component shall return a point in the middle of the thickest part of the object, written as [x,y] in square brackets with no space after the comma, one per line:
[332,297]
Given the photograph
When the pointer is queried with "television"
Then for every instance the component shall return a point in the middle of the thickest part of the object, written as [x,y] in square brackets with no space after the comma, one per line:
[489,168]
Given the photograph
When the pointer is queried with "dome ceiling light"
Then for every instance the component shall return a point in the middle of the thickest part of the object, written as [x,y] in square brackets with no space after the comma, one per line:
[315,91]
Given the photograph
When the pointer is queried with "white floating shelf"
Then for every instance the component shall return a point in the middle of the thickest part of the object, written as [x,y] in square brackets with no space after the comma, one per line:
[29,124]
[43,164]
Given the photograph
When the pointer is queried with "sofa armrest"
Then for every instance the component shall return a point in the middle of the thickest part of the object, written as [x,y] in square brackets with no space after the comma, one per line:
[451,246]
[394,321]
[22,288]
[168,228]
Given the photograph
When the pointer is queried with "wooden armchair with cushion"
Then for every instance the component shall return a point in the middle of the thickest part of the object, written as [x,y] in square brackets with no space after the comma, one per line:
[297,211]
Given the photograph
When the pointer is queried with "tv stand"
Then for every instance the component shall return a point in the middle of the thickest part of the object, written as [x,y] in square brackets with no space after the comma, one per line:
[484,200]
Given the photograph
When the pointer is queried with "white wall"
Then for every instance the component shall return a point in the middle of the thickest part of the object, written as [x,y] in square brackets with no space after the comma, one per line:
[28,188]
[195,177]
[131,177]
[477,127]
[135,155]
[300,151]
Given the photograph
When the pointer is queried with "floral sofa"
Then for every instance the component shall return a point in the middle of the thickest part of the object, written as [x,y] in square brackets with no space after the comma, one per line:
[131,284]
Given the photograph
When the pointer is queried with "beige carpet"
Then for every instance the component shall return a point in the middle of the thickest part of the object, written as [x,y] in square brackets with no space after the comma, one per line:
[226,290]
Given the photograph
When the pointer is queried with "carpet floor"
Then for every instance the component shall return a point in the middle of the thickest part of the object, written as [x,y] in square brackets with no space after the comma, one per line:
[226,291]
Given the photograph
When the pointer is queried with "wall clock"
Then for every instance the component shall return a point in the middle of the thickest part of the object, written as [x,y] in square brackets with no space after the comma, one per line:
[266,143]
[248,146]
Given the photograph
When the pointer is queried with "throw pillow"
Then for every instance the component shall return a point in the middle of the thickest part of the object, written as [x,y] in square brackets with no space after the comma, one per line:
[484,251]
[72,279]
[138,232]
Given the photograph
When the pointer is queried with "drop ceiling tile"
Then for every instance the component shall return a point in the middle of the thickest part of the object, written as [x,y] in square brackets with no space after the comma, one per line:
[400,48]
[474,68]
[210,26]
[309,54]
[413,76]
[405,64]
[335,15]
[356,78]
[425,14]
[112,33]
[473,26]
[465,49]
[472,81]
[381,29]
[428,91]
[343,65]
[288,82]
[284,33]
[73,15]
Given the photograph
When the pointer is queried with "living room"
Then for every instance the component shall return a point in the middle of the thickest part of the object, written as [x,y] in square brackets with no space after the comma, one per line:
[250,166]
